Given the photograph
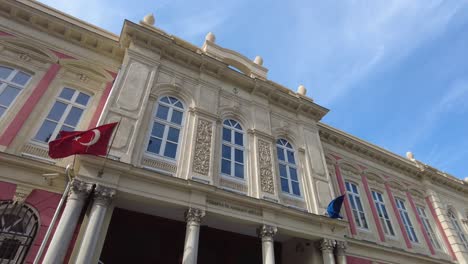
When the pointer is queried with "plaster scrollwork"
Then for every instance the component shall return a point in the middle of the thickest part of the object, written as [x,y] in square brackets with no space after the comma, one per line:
[103,195]
[327,244]
[24,57]
[267,232]
[265,167]
[82,77]
[201,159]
[194,215]
[79,190]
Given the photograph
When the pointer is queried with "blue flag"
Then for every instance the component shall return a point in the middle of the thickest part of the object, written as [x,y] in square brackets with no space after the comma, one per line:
[334,208]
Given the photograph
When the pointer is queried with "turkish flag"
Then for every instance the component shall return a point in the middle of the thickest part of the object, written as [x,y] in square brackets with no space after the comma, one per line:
[91,142]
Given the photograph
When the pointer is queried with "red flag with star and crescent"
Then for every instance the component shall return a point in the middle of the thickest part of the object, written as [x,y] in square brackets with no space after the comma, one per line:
[91,142]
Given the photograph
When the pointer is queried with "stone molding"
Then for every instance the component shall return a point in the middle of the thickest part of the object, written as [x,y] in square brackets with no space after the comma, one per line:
[194,216]
[265,167]
[103,195]
[267,232]
[202,150]
[79,190]
[327,244]
[341,248]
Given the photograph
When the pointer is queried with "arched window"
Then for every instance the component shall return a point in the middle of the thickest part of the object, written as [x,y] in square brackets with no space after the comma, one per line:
[458,228]
[18,227]
[287,167]
[232,149]
[356,205]
[12,82]
[167,124]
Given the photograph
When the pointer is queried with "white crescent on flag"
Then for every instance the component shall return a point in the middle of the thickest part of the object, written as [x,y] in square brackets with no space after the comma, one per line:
[95,138]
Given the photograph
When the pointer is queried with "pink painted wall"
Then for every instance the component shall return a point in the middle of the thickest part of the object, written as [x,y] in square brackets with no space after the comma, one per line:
[356,260]
[373,209]
[7,190]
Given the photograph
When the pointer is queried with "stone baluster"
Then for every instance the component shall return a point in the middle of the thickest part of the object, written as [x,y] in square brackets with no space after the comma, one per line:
[193,217]
[266,233]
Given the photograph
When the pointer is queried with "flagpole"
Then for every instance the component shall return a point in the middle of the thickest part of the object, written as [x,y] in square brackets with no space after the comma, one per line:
[101,171]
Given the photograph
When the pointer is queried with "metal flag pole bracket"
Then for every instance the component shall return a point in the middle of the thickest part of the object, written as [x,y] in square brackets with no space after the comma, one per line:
[101,171]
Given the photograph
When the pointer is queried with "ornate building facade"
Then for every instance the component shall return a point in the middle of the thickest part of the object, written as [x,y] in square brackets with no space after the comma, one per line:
[212,162]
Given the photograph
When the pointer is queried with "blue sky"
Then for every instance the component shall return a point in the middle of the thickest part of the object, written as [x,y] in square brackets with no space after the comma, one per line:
[394,73]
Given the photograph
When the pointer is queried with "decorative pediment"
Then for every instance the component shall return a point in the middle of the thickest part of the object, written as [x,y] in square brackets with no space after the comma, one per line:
[26,52]
[417,193]
[371,176]
[85,71]
[397,186]
[348,169]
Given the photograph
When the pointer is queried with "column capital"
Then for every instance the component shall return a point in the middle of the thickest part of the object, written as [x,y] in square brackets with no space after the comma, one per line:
[79,189]
[267,231]
[341,248]
[327,244]
[194,215]
[103,195]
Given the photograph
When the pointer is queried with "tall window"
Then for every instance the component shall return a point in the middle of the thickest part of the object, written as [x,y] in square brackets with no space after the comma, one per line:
[287,167]
[383,214]
[458,228]
[356,205]
[232,149]
[167,124]
[12,82]
[64,115]
[406,220]
[18,227]
[428,227]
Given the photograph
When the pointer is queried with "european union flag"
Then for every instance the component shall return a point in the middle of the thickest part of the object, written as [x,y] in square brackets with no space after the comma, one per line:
[334,208]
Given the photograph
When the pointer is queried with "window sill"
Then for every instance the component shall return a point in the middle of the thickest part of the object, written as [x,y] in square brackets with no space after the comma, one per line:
[292,196]
[233,178]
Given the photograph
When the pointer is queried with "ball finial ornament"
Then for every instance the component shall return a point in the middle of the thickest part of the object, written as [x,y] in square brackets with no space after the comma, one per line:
[410,155]
[258,60]
[210,37]
[149,19]
[301,90]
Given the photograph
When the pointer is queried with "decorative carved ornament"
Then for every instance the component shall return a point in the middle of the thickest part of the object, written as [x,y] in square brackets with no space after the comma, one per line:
[103,195]
[267,231]
[201,158]
[21,193]
[341,248]
[79,190]
[265,165]
[194,215]
[327,244]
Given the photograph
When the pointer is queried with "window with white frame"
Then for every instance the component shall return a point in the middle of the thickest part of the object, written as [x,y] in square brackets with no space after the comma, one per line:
[356,205]
[406,220]
[458,228]
[287,168]
[232,149]
[167,125]
[383,214]
[64,115]
[428,227]
[12,82]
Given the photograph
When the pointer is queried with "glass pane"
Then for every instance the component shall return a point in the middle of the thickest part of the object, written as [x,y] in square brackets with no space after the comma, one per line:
[46,130]
[282,171]
[67,93]
[57,111]
[172,100]
[5,72]
[239,140]
[65,128]
[226,152]
[284,185]
[239,155]
[179,104]
[363,220]
[176,117]
[226,134]
[239,170]
[82,99]
[358,203]
[354,188]
[2,110]
[390,228]
[226,166]
[293,174]
[170,150]
[21,78]
[173,134]
[280,153]
[291,157]
[162,112]
[8,95]
[154,145]
[351,201]
[295,188]
[158,130]
[226,122]
[165,99]
[74,116]
[348,188]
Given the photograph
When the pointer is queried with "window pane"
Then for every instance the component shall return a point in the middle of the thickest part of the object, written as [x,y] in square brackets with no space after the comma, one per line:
[176,117]
[239,155]
[5,72]
[179,104]
[226,152]
[21,78]
[46,130]
[348,187]
[2,110]
[280,153]
[226,134]
[74,116]
[162,112]
[57,111]
[354,188]
[158,130]
[282,171]
[8,95]
[358,203]
[154,145]
[170,150]
[67,93]
[295,188]
[165,99]
[82,99]
[284,185]
[239,170]
[293,174]
[390,228]
[226,166]
[291,157]
[239,139]
[173,134]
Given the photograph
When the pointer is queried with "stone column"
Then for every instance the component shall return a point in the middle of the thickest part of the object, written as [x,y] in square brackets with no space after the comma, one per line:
[266,233]
[193,217]
[341,252]
[326,246]
[58,247]
[102,198]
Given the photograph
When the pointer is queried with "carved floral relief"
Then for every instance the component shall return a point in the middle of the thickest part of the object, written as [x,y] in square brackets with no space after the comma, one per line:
[201,159]
[265,165]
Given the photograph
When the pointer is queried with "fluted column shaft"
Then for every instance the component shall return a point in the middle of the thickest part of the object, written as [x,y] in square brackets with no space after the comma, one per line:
[193,217]
[326,246]
[341,252]
[266,233]
[102,198]
[60,242]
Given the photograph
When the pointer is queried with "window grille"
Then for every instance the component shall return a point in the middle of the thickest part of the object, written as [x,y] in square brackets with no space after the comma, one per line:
[12,82]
